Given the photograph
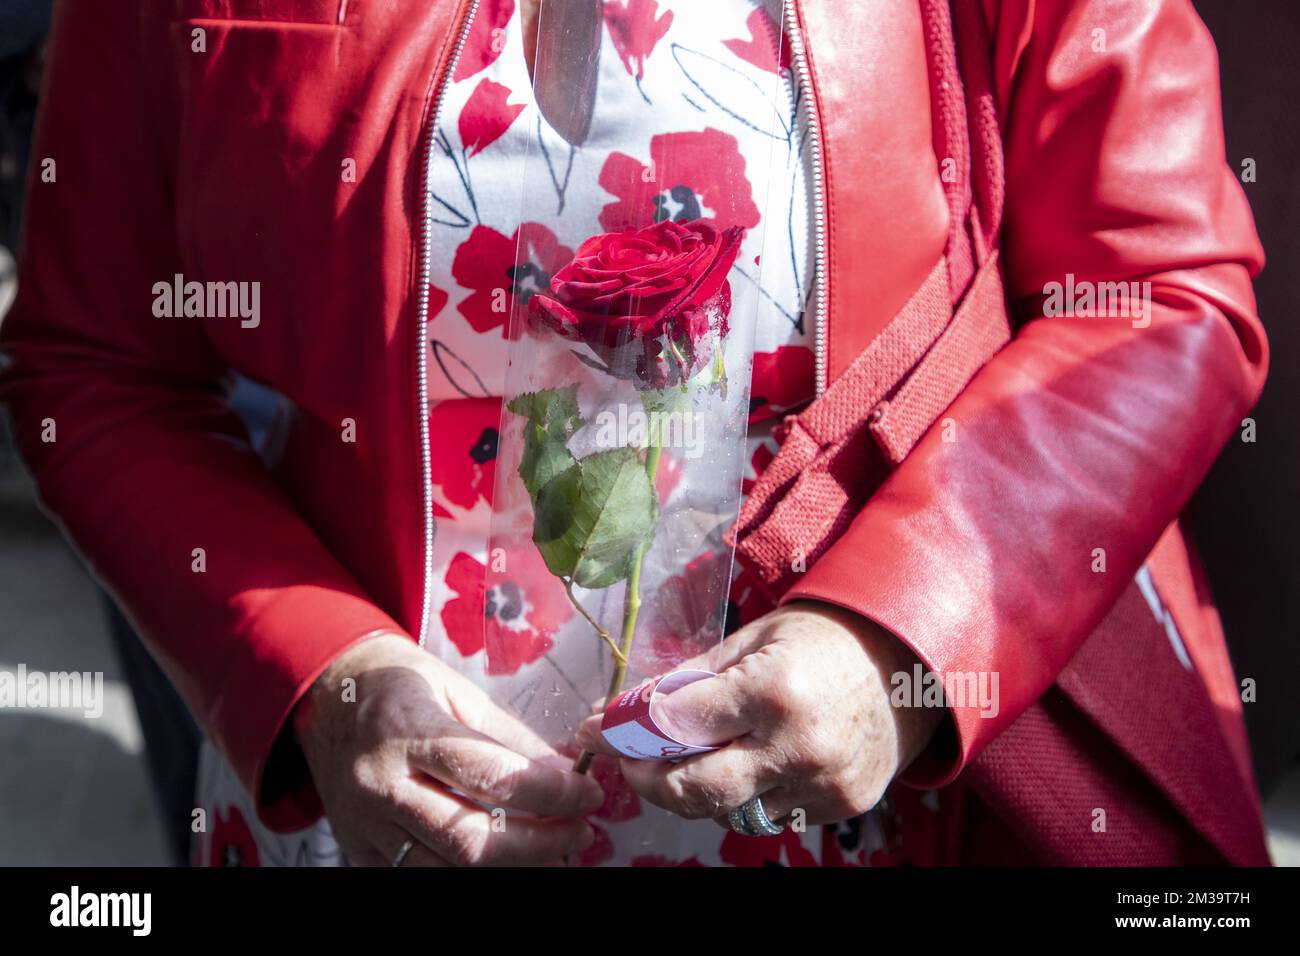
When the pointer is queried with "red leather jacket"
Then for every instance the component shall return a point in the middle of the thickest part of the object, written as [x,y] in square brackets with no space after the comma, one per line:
[225,164]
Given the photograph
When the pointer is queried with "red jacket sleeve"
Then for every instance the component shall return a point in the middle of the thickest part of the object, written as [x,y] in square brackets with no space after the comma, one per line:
[1083,433]
[122,417]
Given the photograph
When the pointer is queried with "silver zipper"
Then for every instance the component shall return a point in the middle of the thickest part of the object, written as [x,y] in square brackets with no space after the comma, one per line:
[799,57]
[422,316]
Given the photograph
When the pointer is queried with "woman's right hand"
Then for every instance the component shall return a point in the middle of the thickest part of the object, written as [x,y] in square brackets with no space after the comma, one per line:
[386,758]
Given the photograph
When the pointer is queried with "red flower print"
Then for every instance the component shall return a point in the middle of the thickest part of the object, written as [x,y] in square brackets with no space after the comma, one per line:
[599,852]
[621,802]
[231,842]
[748,601]
[437,299]
[668,477]
[682,627]
[485,263]
[782,380]
[843,842]
[692,175]
[487,37]
[634,29]
[915,825]
[684,622]
[486,116]
[465,433]
[784,850]
[514,619]
[760,48]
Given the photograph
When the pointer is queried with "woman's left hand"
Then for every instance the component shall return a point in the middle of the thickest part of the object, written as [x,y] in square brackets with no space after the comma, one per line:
[803,696]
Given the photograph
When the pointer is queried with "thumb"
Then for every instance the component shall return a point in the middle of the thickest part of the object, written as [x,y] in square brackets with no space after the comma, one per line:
[706,713]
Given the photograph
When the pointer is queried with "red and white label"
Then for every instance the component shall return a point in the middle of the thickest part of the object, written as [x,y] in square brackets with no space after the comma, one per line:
[630,726]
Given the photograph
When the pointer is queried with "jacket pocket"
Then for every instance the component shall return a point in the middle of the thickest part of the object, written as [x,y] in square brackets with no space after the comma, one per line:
[323,12]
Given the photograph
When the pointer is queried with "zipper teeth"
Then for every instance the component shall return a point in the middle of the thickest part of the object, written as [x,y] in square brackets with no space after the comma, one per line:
[800,59]
[422,317]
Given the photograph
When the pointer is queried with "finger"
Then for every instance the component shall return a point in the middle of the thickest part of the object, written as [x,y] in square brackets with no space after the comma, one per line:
[703,786]
[706,713]
[591,739]
[464,834]
[418,855]
[779,805]
[780,802]
[713,711]
[485,770]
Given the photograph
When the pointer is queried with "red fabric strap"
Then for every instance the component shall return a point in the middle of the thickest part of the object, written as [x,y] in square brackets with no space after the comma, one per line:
[880,366]
[977,332]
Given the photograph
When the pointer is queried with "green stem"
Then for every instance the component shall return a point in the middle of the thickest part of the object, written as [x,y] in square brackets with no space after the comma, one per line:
[631,604]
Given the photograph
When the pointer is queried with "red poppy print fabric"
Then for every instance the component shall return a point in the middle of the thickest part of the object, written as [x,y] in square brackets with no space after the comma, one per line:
[708,131]
[635,27]
[705,180]
[513,620]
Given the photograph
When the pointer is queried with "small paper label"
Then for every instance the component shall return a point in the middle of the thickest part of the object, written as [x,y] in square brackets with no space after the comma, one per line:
[630,726]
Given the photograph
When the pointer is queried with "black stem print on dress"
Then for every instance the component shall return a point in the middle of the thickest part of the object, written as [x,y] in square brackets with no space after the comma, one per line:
[797,142]
[462,221]
[693,103]
[561,186]
[794,259]
[564,675]
[463,175]
[525,695]
[469,185]
[439,348]
[796,321]
[637,80]
[809,234]
[736,77]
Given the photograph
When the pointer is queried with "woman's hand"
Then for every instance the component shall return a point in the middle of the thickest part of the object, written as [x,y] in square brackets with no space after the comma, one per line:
[386,763]
[803,694]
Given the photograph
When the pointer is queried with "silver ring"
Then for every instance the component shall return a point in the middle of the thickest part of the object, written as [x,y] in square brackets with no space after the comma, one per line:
[736,817]
[756,818]
[402,851]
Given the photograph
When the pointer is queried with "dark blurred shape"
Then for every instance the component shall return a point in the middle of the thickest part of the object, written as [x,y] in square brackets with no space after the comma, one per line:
[23,24]
[171,737]
[1245,517]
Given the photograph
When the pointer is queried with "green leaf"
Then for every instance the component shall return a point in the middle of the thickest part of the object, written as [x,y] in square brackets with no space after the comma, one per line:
[542,461]
[589,521]
[553,417]
[553,410]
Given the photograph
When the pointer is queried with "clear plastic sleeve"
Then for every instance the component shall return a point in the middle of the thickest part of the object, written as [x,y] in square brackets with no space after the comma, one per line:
[622,442]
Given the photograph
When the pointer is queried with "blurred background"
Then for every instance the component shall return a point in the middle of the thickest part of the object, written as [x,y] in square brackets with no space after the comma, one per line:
[82,792]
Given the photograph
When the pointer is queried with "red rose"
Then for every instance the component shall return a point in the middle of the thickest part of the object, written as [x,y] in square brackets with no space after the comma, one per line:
[646,301]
